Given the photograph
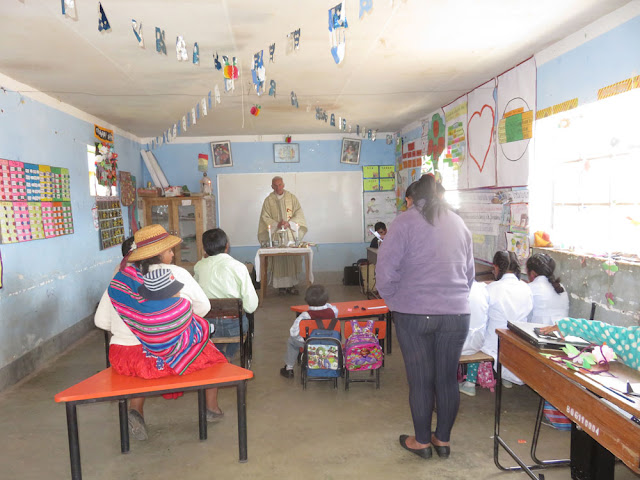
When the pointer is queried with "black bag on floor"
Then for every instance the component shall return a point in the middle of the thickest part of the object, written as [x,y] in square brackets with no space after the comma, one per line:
[352,273]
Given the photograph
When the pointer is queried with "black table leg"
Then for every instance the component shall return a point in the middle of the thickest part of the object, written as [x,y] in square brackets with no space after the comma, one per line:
[124,425]
[202,414]
[389,332]
[242,420]
[74,445]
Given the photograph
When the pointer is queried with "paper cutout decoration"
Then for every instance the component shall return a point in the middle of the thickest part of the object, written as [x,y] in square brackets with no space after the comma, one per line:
[196,54]
[258,72]
[437,141]
[137,31]
[69,9]
[184,123]
[296,39]
[103,23]
[255,110]
[230,73]
[179,125]
[193,116]
[175,130]
[272,88]
[161,46]
[344,124]
[203,105]
[609,297]
[337,26]
[332,122]
[321,114]
[209,100]
[272,51]
[181,49]
[610,267]
[216,62]
[198,110]
[365,7]
[106,164]
[294,99]
[217,94]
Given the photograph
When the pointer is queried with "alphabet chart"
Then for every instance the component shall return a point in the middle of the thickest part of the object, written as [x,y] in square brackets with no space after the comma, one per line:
[35,202]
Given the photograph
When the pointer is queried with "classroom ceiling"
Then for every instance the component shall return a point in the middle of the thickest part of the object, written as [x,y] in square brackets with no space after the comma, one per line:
[403,59]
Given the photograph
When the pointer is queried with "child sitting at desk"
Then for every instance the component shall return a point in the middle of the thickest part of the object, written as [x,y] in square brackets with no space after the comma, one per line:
[381,229]
[319,309]
[507,299]
[550,299]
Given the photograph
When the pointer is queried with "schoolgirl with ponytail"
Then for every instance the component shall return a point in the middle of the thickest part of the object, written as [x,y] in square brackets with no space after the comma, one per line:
[550,300]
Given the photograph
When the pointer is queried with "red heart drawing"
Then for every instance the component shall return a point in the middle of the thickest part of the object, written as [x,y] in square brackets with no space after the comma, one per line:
[493,121]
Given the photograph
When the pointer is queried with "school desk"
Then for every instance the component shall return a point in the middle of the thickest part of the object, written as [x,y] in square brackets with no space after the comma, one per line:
[604,418]
[365,309]
[264,253]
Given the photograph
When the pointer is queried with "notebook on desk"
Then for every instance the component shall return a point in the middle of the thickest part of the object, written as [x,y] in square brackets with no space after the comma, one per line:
[554,341]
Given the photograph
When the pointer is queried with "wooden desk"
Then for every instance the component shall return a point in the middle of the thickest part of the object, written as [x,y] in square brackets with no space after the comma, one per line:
[347,311]
[576,398]
[264,253]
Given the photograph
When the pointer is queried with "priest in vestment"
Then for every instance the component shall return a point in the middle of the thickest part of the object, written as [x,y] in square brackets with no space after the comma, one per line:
[281,209]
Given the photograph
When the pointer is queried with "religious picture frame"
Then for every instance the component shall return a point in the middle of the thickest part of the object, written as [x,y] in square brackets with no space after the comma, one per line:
[221,154]
[350,153]
[286,153]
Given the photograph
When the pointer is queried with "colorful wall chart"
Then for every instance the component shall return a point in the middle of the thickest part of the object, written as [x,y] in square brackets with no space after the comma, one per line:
[35,202]
[110,218]
[378,178]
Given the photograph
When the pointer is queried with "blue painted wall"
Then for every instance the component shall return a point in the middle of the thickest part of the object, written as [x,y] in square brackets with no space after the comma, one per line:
[180,165]
[49,285]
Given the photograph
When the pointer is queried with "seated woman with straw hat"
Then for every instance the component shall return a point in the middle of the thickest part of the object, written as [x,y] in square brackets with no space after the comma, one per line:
[173,339]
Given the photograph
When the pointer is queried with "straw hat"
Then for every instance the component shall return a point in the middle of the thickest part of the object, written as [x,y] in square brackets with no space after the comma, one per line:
[150,241]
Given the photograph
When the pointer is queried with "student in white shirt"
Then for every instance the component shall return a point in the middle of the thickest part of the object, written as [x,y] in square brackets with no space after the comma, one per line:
[509,299]
[550,299]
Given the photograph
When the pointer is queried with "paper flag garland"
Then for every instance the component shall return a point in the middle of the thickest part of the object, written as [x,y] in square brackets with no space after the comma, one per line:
[161,46]
[203,105]
[69,9]
[272,88]
[209,100]
[103,23]
[332,122]
[216,62]
[294,99]
[272,51]
[184,123]
[230,73]
[217,93]
[137,31]
[296,39]
[337,26]
[365,6]
[196,54]
[181,49]
[193,116]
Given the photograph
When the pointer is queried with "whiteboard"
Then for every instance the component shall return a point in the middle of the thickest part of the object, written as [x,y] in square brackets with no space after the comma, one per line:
[331,201]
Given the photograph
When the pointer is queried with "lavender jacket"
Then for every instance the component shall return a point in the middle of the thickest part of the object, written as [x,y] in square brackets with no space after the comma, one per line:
[426,269]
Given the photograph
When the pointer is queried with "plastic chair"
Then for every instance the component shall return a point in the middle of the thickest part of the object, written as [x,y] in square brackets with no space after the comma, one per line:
[232,308]
[380,330]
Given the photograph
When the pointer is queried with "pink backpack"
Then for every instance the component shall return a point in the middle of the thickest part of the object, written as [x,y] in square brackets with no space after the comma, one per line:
[362,350]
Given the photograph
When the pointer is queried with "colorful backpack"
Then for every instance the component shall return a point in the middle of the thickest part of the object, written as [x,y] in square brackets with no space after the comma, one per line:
[322,355]
[362,350]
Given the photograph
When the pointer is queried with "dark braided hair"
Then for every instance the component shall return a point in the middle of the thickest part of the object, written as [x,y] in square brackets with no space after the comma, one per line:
[433,206]
[143,265]
[544,265]
[507,262]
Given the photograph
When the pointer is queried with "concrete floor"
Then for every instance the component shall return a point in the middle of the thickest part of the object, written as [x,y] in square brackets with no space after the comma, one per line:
[320,433]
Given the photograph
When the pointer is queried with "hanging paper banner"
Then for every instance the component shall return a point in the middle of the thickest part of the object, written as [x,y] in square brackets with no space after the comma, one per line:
[193,116]
[272,51]
[103,134]
[217,93]
[181,49]
[103,23]
[209,100]
[454,165]
[258,72]
[137,32]
[216,62]
[230,73]
[184,123]
[294,100]
[272,88]
[203,162]
[516,107]
[69,9]
[203,105]
[161,45]
[198,110]
[481,114]
[337,25]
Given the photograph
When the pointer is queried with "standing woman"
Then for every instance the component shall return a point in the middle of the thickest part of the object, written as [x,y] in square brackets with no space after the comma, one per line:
[424,272]
[550,299]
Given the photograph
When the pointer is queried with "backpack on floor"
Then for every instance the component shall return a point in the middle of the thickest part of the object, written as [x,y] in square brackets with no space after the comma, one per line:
[362,350]
[322,356]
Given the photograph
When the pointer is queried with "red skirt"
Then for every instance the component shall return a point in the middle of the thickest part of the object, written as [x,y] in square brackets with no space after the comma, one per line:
[133,362]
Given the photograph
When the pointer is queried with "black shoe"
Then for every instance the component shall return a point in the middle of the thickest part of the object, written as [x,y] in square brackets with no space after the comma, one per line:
[443,451]
[425,453]
[286,373]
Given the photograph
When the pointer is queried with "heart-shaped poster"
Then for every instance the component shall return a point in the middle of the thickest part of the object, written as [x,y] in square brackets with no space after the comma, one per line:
[480,128]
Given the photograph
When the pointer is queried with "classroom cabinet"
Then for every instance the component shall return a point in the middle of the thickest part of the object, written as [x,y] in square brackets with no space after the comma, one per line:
[184,217]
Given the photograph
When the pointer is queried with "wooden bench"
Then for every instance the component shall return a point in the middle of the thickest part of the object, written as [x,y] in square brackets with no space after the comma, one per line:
[475,358]
[108,385]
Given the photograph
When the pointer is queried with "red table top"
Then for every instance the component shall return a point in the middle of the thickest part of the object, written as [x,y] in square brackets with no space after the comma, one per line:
[365,308]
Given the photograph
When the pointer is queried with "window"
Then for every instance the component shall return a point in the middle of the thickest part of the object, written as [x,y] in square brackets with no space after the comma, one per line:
[95,188]
[585,187]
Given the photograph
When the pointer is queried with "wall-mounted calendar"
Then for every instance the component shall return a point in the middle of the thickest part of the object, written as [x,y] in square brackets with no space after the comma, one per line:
[35,202]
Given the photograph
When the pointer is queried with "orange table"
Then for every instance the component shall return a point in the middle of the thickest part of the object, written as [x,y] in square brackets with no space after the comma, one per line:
[108,385]
[365,309]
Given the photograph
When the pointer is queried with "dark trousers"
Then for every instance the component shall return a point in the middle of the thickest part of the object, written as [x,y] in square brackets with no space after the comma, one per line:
[431,346]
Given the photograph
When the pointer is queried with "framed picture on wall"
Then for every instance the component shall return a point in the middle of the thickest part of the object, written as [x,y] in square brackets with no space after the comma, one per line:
[221,154]
[350,151]
[286,153]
